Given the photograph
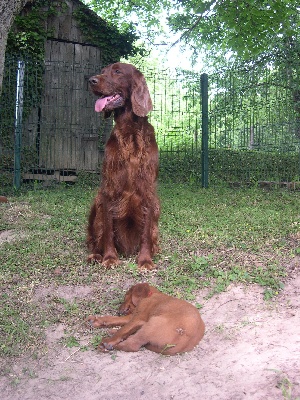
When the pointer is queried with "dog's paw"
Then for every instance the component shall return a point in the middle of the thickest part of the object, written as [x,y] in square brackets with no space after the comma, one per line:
[110,262]
[105,347]
[95,322]
[94,258]
[146,266]
[111,332]
[91,320]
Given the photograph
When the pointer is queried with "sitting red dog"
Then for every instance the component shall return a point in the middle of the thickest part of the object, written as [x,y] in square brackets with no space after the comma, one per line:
[152,319]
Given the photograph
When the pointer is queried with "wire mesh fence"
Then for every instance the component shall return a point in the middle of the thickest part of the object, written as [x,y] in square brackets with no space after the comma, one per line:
[254,117]
[177,109]
[253,120]
[60,134]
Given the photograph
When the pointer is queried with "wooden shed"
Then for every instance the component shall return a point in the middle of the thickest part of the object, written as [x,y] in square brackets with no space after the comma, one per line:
[63,131]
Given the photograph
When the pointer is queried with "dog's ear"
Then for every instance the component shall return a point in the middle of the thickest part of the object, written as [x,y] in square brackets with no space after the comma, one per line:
[140,96]
[139,292]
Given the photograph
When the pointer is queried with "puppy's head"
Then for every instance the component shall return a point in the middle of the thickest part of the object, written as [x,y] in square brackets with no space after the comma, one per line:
[133,297]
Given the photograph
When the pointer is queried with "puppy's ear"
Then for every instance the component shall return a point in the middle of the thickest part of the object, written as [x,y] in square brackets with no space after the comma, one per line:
[139,292]
[140,96]
[127,306]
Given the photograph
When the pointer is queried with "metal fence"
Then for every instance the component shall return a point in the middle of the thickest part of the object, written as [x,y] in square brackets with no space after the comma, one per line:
[47,119]
[253,120]
[255,110]
[254,124]
[176,116]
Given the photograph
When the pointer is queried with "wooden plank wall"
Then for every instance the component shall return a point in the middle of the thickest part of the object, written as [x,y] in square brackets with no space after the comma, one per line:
[69,137]
[69,129]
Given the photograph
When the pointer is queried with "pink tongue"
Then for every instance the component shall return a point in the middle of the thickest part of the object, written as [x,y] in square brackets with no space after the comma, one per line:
[101,103]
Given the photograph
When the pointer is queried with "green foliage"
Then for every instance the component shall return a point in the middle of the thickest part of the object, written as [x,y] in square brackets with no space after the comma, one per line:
[96,340]
[113,43]
[245,167]
[184,167]
[27,35]
[250,166]
[145,16]
[29,32]
[71,341]
[248,28]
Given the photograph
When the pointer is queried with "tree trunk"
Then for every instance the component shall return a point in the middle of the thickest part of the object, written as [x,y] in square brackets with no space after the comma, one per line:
[8,10]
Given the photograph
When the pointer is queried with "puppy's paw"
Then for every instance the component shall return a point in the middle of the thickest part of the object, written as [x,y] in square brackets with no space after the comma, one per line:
[112,331]
[105,347]
[95,322]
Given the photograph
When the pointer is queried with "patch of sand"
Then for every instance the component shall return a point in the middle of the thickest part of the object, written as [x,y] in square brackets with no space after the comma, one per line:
[250,351]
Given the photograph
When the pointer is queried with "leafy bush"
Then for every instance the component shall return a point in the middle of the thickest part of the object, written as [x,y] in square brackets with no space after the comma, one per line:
[225,165]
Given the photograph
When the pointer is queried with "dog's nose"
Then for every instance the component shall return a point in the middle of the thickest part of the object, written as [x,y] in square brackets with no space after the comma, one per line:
[93,80]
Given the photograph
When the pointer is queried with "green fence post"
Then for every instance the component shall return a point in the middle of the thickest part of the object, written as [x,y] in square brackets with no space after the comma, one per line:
[18,124]
[204,148]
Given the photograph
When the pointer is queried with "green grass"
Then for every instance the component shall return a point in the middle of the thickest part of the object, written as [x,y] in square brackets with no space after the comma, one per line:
[209,238]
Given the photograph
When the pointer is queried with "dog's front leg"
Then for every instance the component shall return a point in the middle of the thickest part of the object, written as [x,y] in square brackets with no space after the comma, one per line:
[108,321]
[145,255]
[110,256]
[122,334]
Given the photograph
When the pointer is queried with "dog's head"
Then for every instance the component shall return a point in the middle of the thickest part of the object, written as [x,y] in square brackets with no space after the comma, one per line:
[120,84]
[133,297]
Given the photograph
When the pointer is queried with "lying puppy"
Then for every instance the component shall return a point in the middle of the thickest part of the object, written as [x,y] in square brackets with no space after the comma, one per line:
[152,319]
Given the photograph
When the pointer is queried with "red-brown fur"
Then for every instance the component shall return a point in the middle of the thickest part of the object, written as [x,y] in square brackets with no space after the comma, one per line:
[159,322]
[124,215]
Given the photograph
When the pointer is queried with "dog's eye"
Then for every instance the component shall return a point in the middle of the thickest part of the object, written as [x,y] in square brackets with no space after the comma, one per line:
[117,71]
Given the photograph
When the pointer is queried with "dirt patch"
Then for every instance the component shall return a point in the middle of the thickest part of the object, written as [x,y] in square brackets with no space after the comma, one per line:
[10,236]
[12,214]
[250,351]
[66,292]
[7,236]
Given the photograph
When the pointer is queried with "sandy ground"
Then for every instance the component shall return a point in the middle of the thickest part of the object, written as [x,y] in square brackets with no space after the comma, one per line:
[251,350]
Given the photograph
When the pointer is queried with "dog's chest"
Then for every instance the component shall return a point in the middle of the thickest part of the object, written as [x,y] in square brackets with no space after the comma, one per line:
[131,154]
[131,147]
